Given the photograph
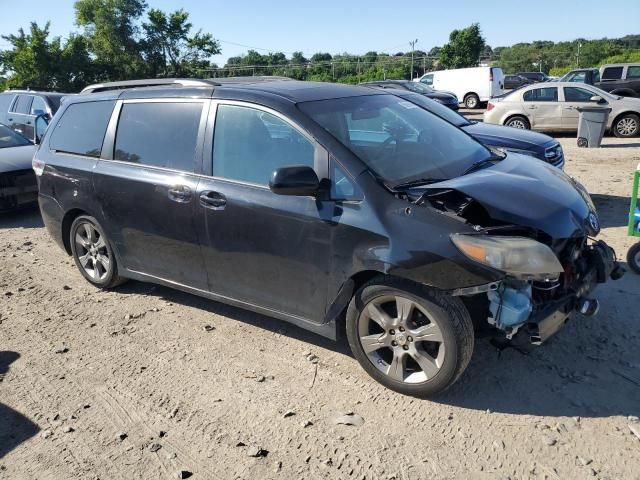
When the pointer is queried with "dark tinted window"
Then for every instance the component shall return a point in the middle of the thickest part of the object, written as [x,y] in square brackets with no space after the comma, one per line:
[81,128]
[22,104]
[574,94]
[612,73]
[249,144]
[159,134]
[541,95]
[633,72]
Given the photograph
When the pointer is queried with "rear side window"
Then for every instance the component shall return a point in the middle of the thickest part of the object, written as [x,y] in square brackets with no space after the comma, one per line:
[159,134]
[612,73]
[541,95]
[81,128]
[5,102]
[633,72]
[22,104]
[38,107]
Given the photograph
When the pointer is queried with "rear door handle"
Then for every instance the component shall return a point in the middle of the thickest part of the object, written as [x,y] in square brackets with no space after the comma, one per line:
[180,194]
[213,200]
[568,108]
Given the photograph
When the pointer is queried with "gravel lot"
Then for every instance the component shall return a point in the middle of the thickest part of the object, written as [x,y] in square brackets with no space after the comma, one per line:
[146,382]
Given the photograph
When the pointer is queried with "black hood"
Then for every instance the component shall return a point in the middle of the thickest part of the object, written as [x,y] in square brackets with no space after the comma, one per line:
[521,190]
[507,137]
[443,96]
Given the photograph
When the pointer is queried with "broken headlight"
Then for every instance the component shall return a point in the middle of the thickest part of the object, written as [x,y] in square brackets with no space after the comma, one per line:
[520,257]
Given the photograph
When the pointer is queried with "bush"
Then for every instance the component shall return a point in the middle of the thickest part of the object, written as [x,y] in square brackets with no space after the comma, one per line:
[626,57]
[559,71]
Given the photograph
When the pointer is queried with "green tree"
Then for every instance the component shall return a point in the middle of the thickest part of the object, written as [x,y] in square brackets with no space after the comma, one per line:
[464,48]
[169,47]
[113,35]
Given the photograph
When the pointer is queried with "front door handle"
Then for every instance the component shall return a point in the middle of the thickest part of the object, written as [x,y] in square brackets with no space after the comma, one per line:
[568,108]
[213,200]
[180,194]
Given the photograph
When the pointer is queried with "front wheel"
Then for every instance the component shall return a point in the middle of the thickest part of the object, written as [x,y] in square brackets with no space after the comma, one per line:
[633,258]
[409,338]
[627,126]
[93,254]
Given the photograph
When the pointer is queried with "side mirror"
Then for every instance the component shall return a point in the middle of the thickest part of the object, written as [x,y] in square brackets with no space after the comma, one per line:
[597,99]
[41,124]
[296,180]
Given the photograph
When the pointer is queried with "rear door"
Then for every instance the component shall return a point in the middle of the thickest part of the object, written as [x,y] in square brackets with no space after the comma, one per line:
[146,183]
[496,77]
[268,250]
[19,116]
[574,98]
[543,108]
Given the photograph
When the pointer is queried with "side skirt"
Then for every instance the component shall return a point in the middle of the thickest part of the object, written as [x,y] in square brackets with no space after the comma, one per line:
[326,329]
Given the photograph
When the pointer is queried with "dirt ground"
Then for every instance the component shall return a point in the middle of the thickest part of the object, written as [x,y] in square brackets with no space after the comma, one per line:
[146,382]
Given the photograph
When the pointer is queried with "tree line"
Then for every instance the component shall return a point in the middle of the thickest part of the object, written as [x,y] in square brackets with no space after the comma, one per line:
[125,39]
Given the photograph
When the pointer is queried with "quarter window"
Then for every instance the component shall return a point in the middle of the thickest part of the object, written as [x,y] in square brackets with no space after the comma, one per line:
[549,94]
[612,73]
[81,128]
[249,144]
[574,94]
[159,134]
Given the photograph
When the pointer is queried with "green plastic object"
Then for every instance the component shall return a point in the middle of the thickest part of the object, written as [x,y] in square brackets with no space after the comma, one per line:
[634,231]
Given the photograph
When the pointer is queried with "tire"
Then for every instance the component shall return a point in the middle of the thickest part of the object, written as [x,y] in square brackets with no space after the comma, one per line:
[518,121]
[633,258]
[626,126]
[93,254]
[471,101]
[437,332]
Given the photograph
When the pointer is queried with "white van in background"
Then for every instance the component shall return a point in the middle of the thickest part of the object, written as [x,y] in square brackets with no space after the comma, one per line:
[472,85]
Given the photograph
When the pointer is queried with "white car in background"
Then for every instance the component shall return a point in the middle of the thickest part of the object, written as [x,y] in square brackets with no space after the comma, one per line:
[472,85]
[553,106]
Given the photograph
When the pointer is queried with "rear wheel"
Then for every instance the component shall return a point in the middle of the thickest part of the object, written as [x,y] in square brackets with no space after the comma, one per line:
[471,101]
[409,338]
[628,125]
[518,121]
[92,253]
[633,258]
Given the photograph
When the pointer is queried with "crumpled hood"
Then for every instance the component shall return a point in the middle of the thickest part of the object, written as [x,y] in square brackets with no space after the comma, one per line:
[508,137]
[16,158]
[521,190]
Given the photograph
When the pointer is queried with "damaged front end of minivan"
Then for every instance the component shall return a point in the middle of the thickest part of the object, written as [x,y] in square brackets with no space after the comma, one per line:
[536,227]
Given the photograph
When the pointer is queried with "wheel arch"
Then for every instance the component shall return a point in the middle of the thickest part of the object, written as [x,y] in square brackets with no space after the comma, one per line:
[510,115]
[67,221]
[622,114]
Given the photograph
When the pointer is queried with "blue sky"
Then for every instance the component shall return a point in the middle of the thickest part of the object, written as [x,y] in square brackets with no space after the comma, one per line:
[357,26]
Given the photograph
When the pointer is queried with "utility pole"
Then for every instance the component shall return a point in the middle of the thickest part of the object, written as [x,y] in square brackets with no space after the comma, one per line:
[578,56]
[413,44]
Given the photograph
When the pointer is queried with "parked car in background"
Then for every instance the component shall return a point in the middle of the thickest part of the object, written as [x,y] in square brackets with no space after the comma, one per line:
[619,79]
[511,82]
[535,77]
[473,86]
[20,108]
[18,186]
[445,98]
[325,205]
[553,107]
[525,142]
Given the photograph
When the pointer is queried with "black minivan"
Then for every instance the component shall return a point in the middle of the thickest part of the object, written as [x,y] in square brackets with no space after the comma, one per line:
[320,204]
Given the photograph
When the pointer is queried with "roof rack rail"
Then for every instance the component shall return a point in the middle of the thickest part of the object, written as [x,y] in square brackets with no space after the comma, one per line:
[150,82]
[250,79]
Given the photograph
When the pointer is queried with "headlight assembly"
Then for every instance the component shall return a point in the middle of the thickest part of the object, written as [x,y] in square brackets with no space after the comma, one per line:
[520,257]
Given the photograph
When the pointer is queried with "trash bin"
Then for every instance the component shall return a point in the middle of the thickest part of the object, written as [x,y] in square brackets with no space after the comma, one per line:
[591,125]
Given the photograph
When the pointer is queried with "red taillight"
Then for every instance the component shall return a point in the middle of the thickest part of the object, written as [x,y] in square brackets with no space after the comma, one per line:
[490,106]
[38,166]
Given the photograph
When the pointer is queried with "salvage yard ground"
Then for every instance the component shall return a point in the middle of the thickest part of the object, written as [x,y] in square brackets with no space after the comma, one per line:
[146,382]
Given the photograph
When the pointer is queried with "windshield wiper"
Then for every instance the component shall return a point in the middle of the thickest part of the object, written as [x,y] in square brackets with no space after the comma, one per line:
[416,183]
[480,163]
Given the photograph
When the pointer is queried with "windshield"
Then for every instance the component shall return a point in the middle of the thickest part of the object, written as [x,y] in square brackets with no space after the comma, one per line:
[9,138]
[419,87]
[399,141]
[435,108]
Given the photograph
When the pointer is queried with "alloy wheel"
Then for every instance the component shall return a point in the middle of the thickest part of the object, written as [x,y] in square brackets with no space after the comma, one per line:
[401,339]
[627,126]
[517,123]
[92,251]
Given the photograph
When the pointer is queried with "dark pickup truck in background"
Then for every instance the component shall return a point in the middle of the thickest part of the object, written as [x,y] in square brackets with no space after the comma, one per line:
[619,79]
